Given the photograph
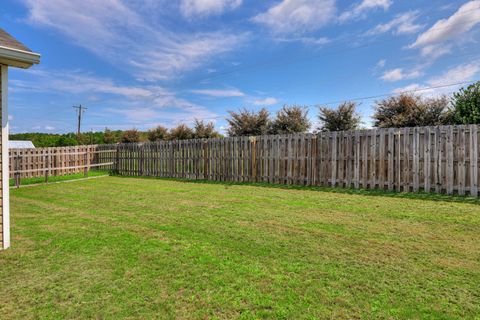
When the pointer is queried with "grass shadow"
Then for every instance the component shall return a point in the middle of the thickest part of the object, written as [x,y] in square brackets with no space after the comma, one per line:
[364,192]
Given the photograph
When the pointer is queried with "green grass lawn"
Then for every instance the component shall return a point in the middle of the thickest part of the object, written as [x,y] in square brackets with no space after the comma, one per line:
[115,248]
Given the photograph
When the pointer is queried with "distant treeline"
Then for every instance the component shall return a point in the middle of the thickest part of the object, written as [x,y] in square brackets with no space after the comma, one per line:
[42,140]
[199,130]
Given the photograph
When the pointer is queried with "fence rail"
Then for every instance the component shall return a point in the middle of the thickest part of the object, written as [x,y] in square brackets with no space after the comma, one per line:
[443,159]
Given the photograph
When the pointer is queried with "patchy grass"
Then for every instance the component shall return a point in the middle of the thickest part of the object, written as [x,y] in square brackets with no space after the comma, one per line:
[143,248]
[74,176]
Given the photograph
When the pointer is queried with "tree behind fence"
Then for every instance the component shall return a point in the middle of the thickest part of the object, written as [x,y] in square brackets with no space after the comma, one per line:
[441,159]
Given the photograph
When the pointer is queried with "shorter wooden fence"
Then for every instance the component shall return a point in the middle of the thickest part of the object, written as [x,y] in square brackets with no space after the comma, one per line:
[45,162]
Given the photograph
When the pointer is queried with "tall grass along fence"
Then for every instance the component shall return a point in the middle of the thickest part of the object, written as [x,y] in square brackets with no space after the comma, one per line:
[441,159]
[45,162]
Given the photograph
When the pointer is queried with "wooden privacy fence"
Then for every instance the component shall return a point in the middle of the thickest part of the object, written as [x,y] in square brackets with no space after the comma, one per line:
[45,162]
[441,159]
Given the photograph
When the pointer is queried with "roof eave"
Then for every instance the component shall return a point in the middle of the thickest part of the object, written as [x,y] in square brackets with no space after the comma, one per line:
[18,58]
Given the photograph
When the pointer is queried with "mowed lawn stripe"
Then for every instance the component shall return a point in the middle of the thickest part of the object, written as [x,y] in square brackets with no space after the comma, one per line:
[129,248]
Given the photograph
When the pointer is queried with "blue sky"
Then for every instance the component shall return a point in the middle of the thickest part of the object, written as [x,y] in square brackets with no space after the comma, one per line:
[142,63]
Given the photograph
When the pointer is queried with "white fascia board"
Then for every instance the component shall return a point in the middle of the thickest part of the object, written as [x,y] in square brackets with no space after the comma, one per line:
[18,58]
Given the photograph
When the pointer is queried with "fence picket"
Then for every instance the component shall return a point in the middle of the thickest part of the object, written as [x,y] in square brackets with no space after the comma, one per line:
[473,160]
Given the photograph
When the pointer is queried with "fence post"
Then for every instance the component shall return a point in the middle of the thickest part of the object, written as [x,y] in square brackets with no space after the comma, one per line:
[55,162]
[205,160]
[253,143]
[47,165]
[171,173]
[85,163]
[140,156]
[17,174]
[117,160]
[334,159]
[473,161]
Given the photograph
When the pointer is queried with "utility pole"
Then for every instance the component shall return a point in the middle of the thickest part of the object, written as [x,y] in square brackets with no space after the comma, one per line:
[79,110]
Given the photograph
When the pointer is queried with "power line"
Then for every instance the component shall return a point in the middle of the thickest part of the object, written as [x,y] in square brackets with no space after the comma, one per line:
[364,98]
[397,93]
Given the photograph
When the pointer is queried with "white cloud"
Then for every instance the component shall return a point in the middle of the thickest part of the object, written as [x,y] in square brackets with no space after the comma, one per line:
[223,129]
[359,9]
[401,24]
[315,41]
[410,88]
[320,41]
[164,63]
[191,8]
[270,101]
[436,51]
[381,63]
[138,104]
[77,82]
[459,74]
[220,93]
[399,74]
[49,128]
[452,29]
[147,117]
[137,114]
[297,16]
[118,34]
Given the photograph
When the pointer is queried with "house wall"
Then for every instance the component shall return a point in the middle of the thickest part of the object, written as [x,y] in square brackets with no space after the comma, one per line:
[4,162]
[1,149]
